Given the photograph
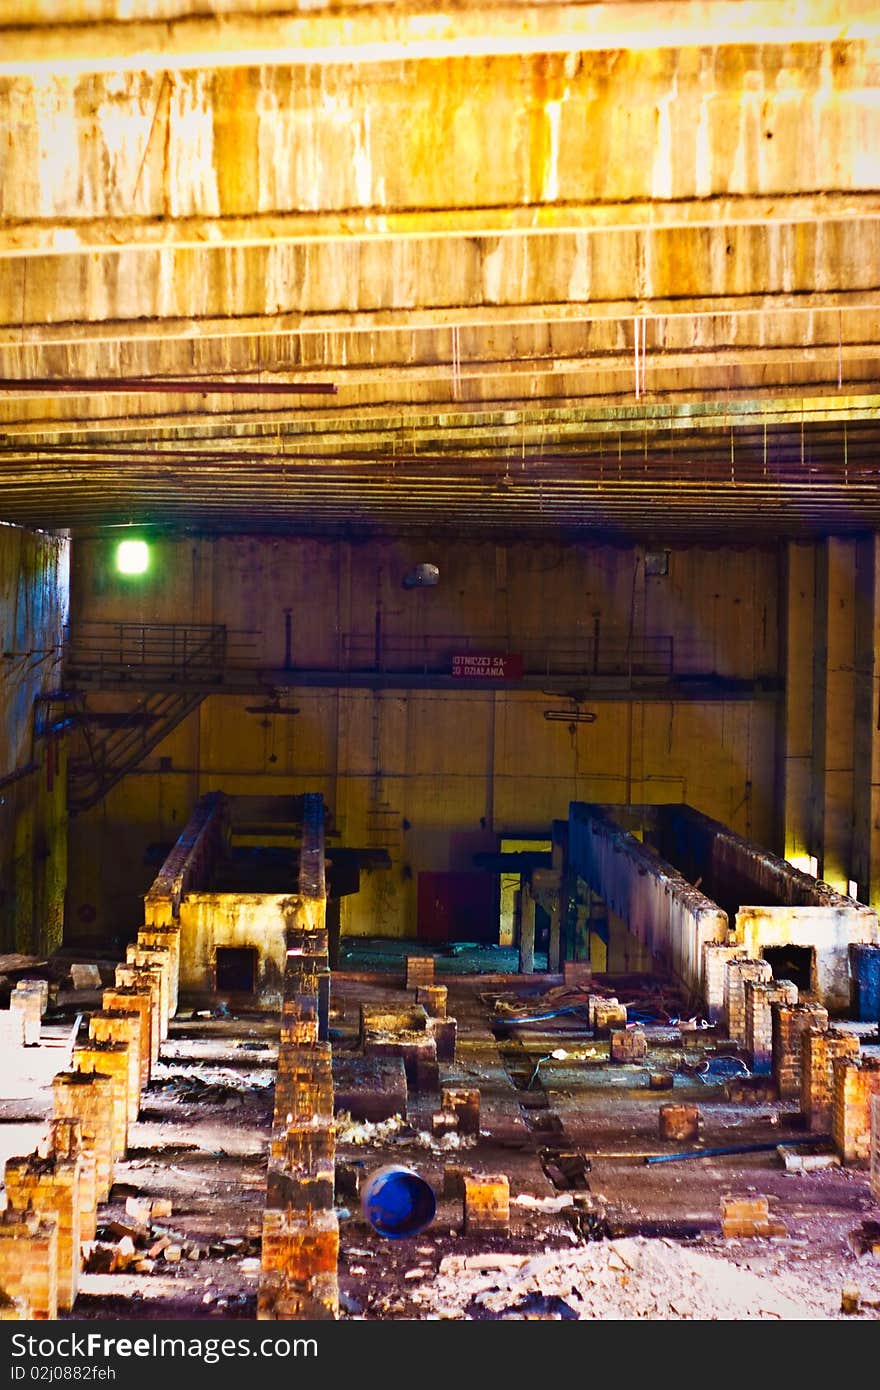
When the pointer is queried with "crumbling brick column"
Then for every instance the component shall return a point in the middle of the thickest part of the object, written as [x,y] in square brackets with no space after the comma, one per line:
[628,1045]
[432,999]
[51,1187]
[760,994]
[715,960]
[88,1097]
[136,999]
[855,1082]
[419,971]
[299,1020]
[819,1048]
[109,1059]
[168,937]
[300,1255]
[790,1022]
[29,1261]
[737,971]
[124,1028]
[304,1084]
[486,1204]
[139,977]
[64,1141]
[155,958]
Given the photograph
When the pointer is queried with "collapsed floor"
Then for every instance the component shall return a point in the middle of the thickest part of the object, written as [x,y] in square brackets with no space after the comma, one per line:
[594,1230]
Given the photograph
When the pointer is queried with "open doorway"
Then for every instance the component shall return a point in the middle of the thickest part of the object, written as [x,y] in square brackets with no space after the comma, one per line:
[235,970]
[795,963]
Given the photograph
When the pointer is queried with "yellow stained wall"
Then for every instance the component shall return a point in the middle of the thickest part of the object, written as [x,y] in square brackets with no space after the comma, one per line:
[34,593]
[434,775]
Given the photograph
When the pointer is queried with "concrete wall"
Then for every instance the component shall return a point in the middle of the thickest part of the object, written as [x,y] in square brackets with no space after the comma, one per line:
[258,920]
[828,930]
[661,909]
[433,775]
[34,595]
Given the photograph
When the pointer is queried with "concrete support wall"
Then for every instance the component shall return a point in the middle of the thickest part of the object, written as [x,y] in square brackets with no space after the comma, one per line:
[661,909]
[34,598]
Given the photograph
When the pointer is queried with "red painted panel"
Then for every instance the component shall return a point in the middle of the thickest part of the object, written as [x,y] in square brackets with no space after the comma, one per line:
[458,907]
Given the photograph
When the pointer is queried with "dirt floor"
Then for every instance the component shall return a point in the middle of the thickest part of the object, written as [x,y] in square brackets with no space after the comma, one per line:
[596,1231]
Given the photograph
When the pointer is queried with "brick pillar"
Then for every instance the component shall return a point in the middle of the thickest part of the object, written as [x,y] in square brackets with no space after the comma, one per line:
[486,1204]
[51,1187]
[855,1082]
[303,1085]
[89,1099]
[155,958]
[819,1048]
[133,999]
[790,1022]
[64,1140]
[124,1028]
[875,1147]
[299,1266]
[419,971]
[432,999]
[29,1261]
[715,960]
[139,976]
[109,1059]
[737,972]
[168,936]
[760,994]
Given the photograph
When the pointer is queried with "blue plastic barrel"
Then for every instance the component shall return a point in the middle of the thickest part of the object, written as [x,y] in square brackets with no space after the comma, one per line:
[397,1202]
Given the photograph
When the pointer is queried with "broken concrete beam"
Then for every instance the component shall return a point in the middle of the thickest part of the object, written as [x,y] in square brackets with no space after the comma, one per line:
[679,1122]
[140,977]
[50,1186]
[795,1161]
[169,937]
[88,1098]
[29,1261]
[85,975]
[628,1045]
[608,1015]
[155,958]
[419,971]
[486,1204]
[819,1047]
[64,1141]
[369,1088]
[432,999]
[737,973]
[855,1081]
[715,959]
[125,1029]
[759,995]
[298,1265]
[419,1053]
[464,1102]
[134,999]
[109,1059]
[445,1032]
[790,1022]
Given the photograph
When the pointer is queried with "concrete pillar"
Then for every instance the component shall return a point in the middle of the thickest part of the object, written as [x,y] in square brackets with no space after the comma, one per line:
[526,931]
[29,1261]
[51,1187]
[124,1028]
[134,999]
[139,976]
[866,737]
[89,1099]
[109,1059]
[796,741]
[155,958]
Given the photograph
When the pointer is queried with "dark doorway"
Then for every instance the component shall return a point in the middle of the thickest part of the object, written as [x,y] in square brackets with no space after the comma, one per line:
[236,969]
[458,907]
[793,963]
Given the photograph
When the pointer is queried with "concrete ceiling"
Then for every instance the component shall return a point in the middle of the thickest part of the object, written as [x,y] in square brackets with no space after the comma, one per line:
[590,268]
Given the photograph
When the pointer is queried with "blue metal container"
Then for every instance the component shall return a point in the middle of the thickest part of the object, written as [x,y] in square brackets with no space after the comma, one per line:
[397,1202]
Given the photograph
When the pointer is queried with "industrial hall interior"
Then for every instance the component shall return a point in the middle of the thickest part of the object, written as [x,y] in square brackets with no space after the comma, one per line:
[439,660]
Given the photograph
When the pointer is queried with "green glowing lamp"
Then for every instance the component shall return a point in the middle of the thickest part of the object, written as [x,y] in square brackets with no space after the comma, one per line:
[132,557]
